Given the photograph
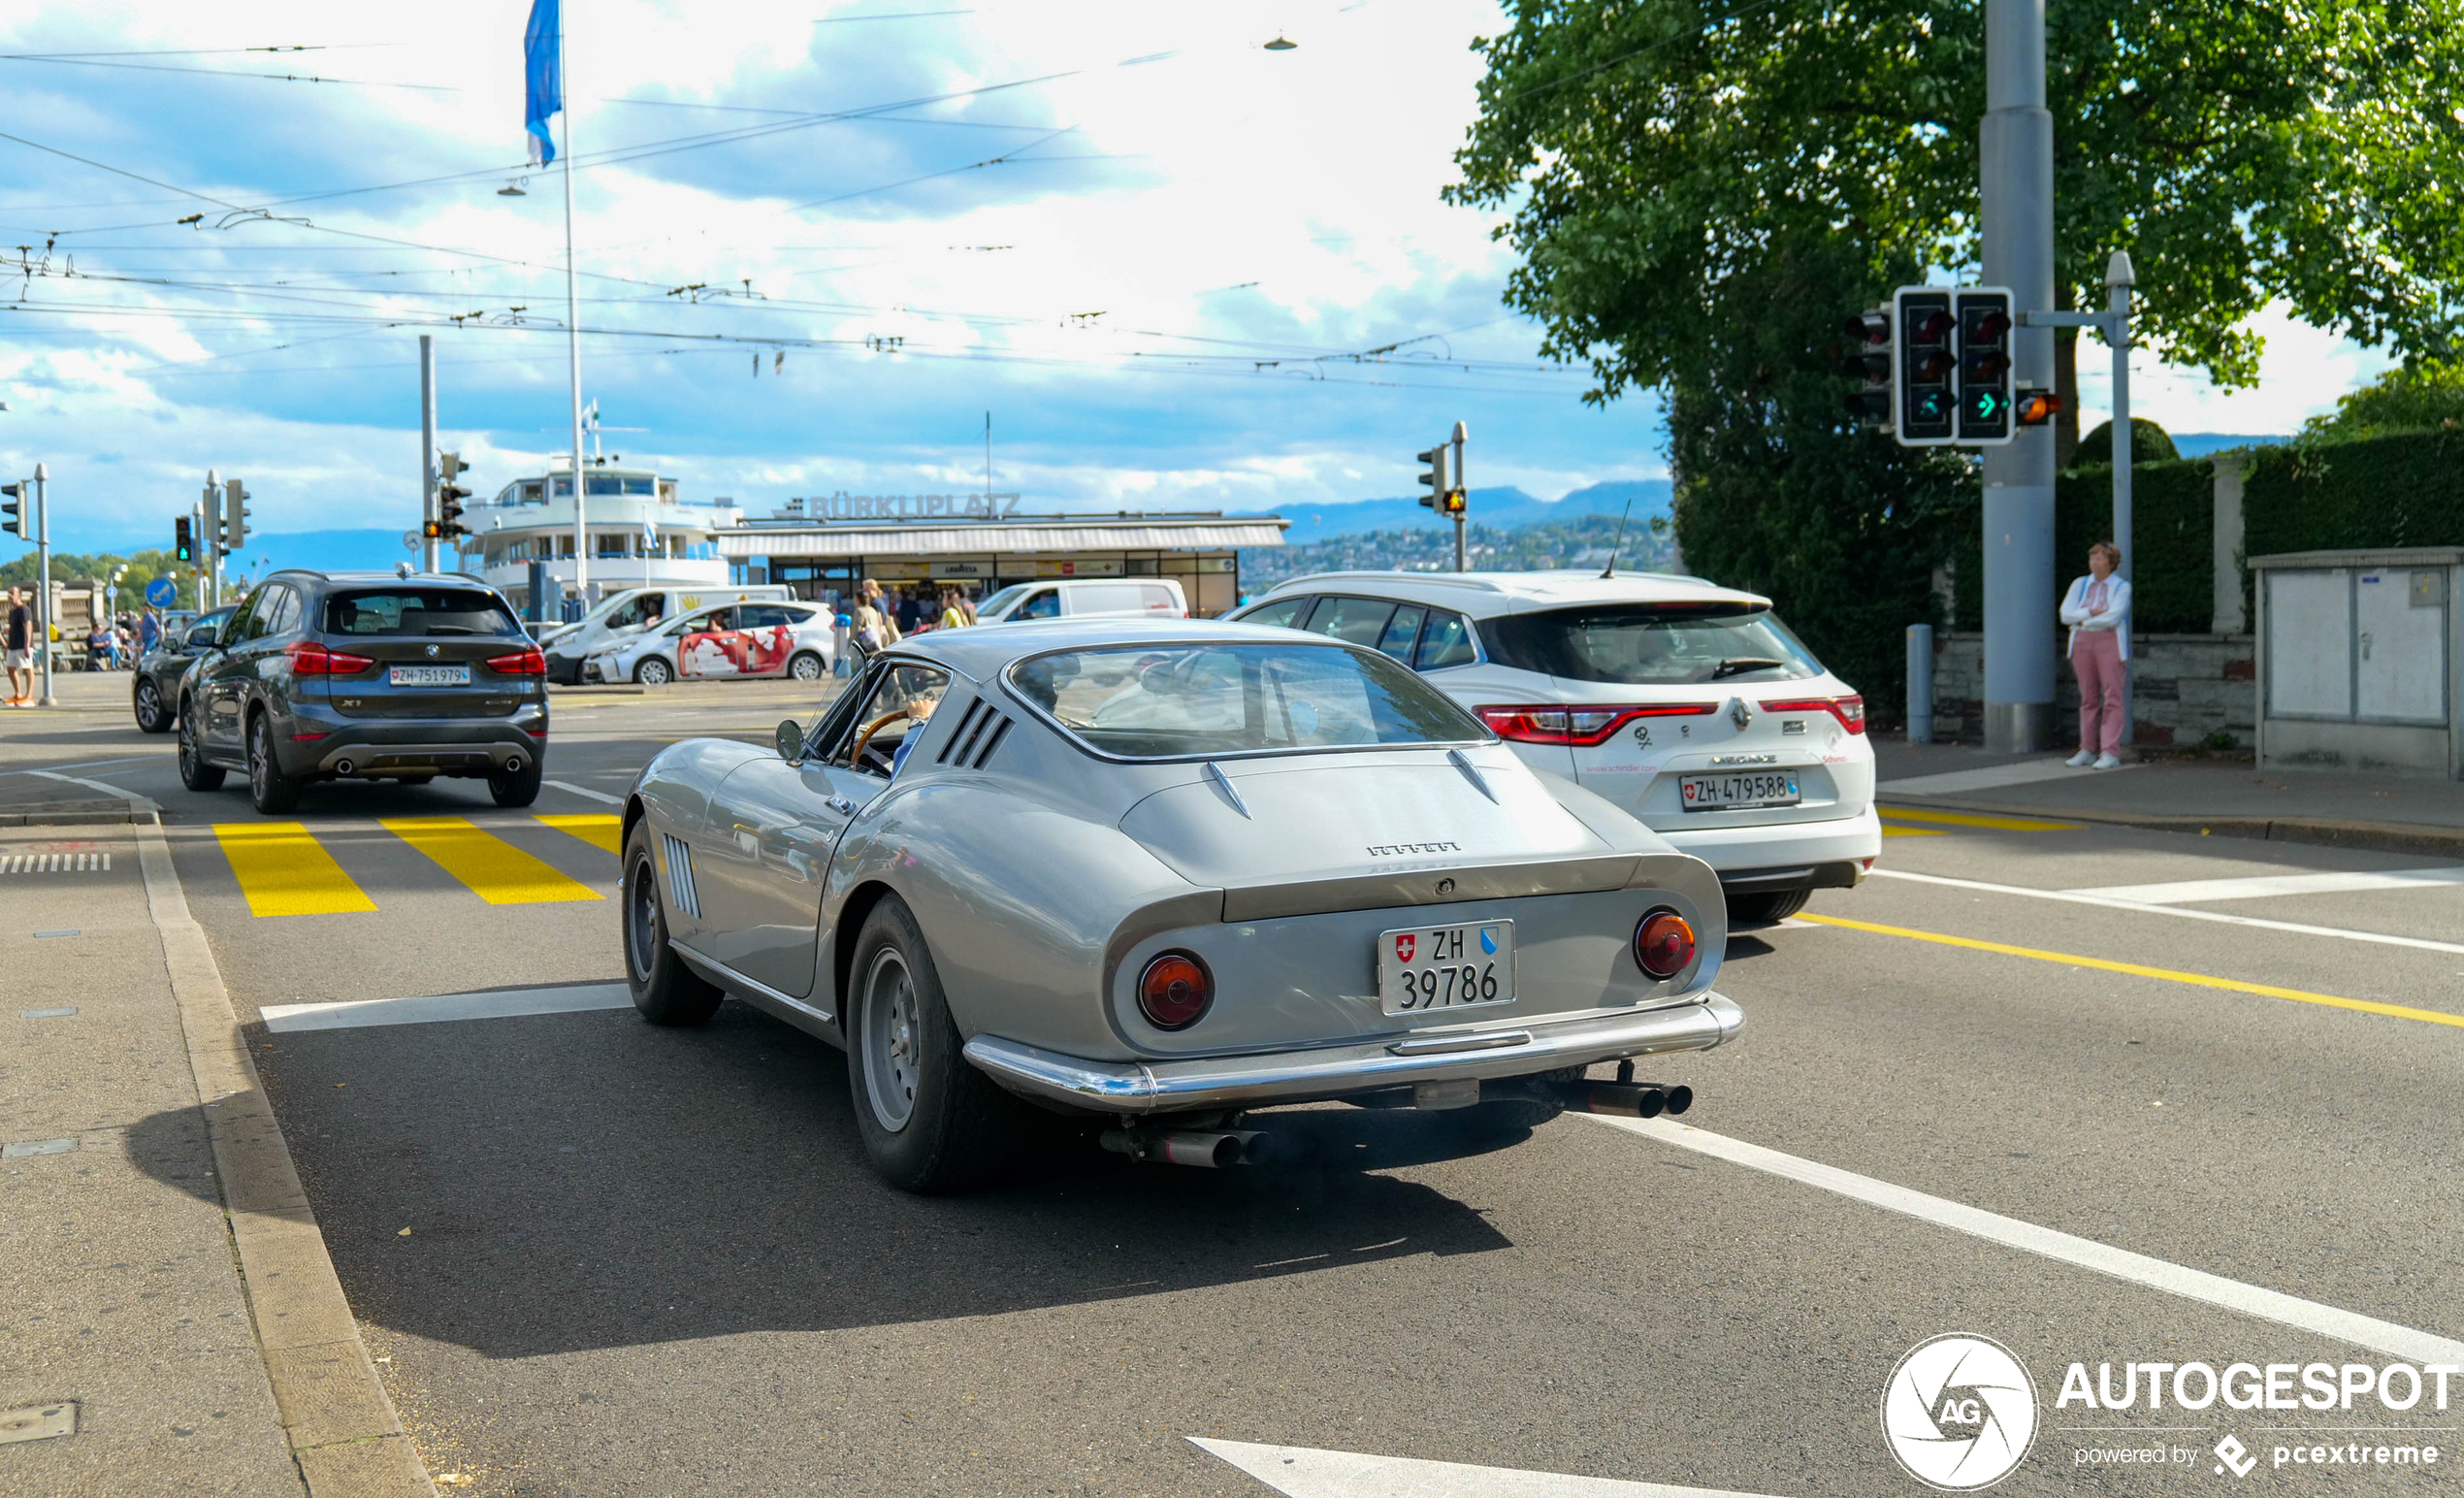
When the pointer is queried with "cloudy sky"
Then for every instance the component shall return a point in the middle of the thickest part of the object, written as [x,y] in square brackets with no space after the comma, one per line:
[1149,246]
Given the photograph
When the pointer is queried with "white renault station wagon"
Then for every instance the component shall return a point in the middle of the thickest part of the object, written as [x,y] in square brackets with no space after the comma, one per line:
[1689,704]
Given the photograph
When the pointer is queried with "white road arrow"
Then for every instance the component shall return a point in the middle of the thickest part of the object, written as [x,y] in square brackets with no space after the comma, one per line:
[1304,1472]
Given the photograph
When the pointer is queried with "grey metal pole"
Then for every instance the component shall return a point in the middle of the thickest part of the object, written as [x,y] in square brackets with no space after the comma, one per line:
[44,620]
[2119,279]
[1462,434]
[1920,683]
[209,535]
[427,450]
[573,323]
[2016,203]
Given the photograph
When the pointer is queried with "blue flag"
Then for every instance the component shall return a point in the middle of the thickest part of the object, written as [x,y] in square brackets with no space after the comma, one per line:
[542,76]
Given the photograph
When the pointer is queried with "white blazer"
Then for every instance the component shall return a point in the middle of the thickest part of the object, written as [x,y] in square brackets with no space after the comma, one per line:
[2117,614]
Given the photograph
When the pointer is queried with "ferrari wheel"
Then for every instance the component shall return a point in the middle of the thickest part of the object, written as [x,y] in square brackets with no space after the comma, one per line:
[664,989]
[930,1121]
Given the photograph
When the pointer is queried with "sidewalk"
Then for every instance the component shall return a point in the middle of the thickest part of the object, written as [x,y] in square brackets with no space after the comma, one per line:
[2395,813]
[153,1340]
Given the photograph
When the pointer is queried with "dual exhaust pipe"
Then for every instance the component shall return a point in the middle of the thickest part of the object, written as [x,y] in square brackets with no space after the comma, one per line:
[1628,1099]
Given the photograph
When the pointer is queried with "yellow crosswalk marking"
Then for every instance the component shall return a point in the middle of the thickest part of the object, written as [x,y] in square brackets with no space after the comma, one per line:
[495,870]
[284,872]
[1914,831]
[1964,819]
[598,828]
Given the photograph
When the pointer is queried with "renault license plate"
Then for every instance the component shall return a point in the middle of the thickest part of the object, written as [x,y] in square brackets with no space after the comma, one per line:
[1427,967]
[1754,788]
[429,676]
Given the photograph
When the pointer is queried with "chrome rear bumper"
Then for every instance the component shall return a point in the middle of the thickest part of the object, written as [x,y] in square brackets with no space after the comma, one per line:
[1306,1076]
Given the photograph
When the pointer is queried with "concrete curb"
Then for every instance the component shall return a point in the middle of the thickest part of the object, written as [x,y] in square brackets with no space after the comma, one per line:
[2322,832]
[94,813]
[342,1429]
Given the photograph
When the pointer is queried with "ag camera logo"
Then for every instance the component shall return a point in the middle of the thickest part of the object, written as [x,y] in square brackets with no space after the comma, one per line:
[1959,1413]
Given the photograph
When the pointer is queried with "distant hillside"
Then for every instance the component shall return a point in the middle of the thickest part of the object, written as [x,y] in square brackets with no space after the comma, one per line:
[1505,506]
[1578,541]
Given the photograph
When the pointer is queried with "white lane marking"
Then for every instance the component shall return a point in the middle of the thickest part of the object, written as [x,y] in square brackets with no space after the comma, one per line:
[1950,781]
[96,785]
[585,792]
[25,1147]
[84,765]
[499,1004]
[2262,886]
[2308,1315]
[1306,1473]
[2108,902]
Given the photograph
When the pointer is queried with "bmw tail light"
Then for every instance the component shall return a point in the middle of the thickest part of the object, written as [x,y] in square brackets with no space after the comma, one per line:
[1175,990]
[1581,727]
[521,663]
[1850,710]
[1664,943]
[309,659]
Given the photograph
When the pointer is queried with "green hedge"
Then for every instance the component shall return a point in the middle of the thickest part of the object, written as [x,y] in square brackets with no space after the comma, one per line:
[2402,490]
[2172,543]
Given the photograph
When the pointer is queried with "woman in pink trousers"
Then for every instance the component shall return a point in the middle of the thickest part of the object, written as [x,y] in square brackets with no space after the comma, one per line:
[2097,609]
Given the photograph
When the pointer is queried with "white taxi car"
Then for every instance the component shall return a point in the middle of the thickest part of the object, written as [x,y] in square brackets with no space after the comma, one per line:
[762,638]
[1689,704]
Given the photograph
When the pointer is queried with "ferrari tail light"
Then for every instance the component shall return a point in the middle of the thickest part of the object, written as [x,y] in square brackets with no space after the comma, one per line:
[1175,990]
[530,661]
[309,659]
[1850,710]
[1582,727]
[1664,943]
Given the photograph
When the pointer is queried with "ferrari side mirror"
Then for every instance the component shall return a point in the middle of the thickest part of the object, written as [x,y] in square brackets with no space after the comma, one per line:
[790,741]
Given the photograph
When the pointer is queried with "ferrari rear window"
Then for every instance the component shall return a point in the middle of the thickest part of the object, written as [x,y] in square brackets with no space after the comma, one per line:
[1180,702]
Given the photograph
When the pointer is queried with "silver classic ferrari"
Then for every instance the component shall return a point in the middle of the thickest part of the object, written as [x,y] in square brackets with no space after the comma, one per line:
[1158,875]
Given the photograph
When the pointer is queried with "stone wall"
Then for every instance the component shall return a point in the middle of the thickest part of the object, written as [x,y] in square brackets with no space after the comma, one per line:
[2184,689]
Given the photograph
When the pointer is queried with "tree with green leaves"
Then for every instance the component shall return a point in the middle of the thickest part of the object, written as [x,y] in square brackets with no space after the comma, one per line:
[1680,174]
[2426,395]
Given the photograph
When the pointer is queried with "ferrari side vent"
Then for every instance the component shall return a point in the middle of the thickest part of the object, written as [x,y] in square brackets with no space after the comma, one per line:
[958,734]
[680,875]
[1000,727]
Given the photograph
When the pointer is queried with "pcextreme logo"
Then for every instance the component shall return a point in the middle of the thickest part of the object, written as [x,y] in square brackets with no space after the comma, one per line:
[1959,1413]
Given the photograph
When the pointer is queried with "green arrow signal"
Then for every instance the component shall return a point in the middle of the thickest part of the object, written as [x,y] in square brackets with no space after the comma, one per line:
[1989,404]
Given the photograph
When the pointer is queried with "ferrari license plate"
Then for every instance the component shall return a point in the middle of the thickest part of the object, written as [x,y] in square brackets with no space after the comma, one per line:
[1445,967]
[1755,787]
[429,675]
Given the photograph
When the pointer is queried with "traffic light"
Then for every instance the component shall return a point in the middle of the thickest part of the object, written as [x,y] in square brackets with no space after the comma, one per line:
[1985,325]
[12,510]
[1870,360]
[183,541]
[2034,408]
[1924,330]
[1434,481]
[449,498]
[235,516]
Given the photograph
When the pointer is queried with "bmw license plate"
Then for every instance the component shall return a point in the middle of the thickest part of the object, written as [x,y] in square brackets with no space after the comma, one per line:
[1756,788]
[429,676]
[1429,967]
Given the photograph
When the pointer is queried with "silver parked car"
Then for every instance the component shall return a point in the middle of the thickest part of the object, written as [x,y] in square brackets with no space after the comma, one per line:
[1159,874]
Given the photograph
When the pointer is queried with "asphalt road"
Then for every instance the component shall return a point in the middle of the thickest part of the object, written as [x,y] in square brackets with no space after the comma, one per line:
[653,1263]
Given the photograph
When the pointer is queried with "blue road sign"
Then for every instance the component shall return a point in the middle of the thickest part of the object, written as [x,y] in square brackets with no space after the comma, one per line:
[162,593]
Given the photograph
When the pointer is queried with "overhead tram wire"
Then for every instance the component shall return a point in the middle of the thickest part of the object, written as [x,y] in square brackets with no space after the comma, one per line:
[279,78]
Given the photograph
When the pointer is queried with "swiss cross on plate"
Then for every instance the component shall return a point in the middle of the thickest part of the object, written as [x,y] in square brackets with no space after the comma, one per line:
[1406,944]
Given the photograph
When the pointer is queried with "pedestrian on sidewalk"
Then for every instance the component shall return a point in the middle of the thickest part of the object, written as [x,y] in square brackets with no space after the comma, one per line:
[21,649]
[2097,609]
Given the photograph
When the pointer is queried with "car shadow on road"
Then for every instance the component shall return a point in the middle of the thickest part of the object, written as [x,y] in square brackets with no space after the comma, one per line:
[584,1181]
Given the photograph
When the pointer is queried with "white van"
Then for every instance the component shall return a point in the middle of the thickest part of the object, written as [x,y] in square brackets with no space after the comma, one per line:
[1080,598]
[622,614]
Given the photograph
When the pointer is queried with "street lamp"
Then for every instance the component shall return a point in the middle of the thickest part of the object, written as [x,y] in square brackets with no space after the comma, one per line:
[1282,44]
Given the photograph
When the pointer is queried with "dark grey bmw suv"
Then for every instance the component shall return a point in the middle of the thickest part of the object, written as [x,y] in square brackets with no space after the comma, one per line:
[369,676]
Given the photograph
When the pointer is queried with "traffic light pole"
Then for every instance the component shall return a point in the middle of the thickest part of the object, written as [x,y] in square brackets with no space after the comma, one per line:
[427,450]
[1461,559]
[43,620]
[2114,322]
[2015,204]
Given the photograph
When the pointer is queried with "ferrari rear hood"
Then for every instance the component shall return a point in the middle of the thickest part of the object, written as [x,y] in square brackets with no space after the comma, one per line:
[1288,837]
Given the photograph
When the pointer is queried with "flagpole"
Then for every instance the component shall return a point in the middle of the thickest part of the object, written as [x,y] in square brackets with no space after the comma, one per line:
[572,324]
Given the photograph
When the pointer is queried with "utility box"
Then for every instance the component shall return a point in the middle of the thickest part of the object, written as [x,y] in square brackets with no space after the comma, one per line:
[2357,656]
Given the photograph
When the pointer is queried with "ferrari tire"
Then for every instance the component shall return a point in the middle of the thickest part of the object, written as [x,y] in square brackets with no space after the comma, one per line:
[194,772]
[930,1123]
[151,716]
[272,790]
[654,672]
[664,989]
[1766,909]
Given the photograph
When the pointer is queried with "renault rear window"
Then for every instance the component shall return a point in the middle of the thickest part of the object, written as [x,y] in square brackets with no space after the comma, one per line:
[1651,645]
[1178,701]
[418,612]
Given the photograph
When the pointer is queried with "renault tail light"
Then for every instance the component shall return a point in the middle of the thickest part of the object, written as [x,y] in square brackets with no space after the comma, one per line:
[1581,727]
[1850,710]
